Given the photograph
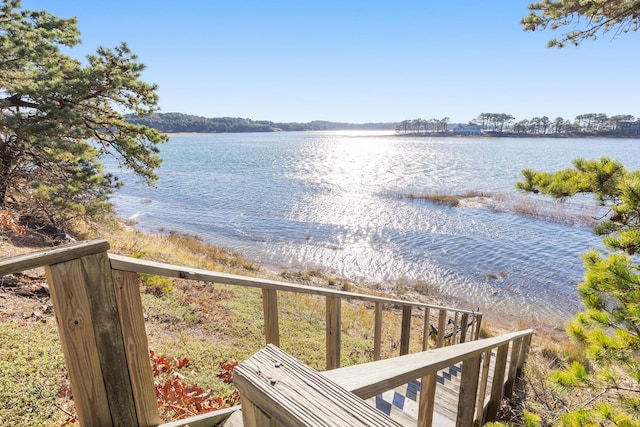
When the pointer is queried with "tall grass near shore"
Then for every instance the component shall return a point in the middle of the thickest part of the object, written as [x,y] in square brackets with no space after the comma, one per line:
[582,214]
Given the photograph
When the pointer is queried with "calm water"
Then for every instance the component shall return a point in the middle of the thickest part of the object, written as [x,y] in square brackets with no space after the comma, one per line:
[328,199]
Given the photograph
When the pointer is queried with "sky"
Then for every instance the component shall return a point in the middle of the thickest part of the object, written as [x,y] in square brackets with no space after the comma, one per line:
[358,61]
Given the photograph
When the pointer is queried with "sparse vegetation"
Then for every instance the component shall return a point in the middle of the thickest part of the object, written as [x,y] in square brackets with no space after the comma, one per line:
[559,211]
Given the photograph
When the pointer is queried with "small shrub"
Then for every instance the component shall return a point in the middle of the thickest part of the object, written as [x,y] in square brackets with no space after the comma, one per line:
[530,419]
[157,285]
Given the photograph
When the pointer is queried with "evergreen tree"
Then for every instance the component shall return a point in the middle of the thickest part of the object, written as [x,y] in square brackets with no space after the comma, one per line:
[609,327]
[586,18]
[58,116]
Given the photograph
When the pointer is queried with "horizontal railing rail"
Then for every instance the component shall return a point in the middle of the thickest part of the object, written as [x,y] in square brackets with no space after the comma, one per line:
[464,326]
[119,262]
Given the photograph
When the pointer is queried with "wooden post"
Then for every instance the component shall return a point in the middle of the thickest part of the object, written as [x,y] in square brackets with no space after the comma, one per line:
[426,332]
[468,391]
[377,331]
[463,328]
[405,332]
[513,367]
[252,416]
[333,326]
[454,337]
[136,346]
[442,324]
[524,353]
[427,400]
[270,309]
[497,386]
[84,300]
[477,325]
[482,392]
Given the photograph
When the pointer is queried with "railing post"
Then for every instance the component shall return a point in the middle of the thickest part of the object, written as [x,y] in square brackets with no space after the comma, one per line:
[377,331]
[270,309]
[333,326]
[454,337]
[524,353]
[477,325]
[427,400]
[482,392]
[463,328]
[426,332]
[136,346]
[442,324]
[497,386]
[84,300]
[405,332]
[513,367]
[468,391]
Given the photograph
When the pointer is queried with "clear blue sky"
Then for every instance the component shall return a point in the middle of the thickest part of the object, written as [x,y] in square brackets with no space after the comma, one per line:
[358,61]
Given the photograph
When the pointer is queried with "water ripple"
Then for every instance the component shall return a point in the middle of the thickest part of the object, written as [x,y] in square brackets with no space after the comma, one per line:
[322,199]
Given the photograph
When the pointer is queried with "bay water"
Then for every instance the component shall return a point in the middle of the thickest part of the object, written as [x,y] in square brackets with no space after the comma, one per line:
[334,201]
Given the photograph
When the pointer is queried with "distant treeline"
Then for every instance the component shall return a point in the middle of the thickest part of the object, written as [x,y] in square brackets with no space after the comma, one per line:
[178,122]
[501,124]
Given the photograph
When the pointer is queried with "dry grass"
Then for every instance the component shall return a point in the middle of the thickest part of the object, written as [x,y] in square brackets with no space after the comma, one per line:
[532,206]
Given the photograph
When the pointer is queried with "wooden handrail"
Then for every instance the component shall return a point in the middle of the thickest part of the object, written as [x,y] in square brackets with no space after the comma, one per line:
[52,256]
[370,379]
[119,262]
[333,304]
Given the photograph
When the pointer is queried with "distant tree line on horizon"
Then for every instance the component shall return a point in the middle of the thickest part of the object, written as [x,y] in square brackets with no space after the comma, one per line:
[178,122]
[505,124]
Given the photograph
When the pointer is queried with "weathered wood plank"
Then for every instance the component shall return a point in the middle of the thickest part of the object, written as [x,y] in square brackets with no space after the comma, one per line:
[377,331]
[427,400]
[477,325]
[463,327]
[136,346]
[524,353]
[442,324]
[333,329]
[468,391]
[109,339]
[70,300]
[270,309]
[454,337]
[482,391]
[513,367]
[252,416]
[295,395]
[497,386]
[369,379]
[426,331]
[56,255]
[209,419]
[405,331]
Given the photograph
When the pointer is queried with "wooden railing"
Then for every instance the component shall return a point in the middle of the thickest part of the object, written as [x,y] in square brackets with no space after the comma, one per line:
[474,403]
[98,309]
[462,326]
[278,390]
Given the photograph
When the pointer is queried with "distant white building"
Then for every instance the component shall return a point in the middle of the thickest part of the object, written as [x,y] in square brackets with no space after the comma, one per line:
[468,129]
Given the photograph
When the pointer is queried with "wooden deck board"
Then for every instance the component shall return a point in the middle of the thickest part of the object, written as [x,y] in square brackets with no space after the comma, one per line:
[446,402]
